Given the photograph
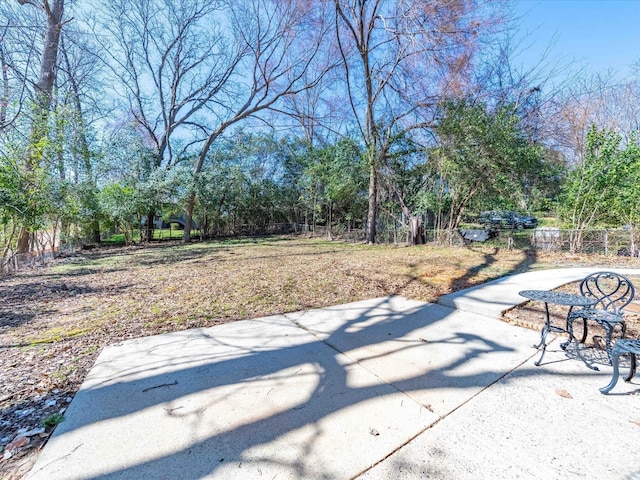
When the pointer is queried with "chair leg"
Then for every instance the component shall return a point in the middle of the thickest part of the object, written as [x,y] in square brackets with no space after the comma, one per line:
[609,328]
[571,338]
[584,330]
[543,342]
[632,369]
[616,373]
[570,330]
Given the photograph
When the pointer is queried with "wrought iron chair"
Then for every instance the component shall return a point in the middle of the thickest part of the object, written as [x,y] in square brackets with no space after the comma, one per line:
[623,346]
[613,292]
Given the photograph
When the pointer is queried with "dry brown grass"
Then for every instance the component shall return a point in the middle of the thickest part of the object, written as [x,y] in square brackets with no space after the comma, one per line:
[140,291]
[54,321]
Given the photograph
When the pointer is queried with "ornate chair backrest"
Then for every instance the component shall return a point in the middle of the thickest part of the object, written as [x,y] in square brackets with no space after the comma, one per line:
[612,291]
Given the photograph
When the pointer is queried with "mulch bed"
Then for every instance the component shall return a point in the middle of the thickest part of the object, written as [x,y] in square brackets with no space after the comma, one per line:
[532,315]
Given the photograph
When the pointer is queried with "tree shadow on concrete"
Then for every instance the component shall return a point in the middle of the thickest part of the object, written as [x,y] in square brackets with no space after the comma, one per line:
[341,358]
[489,259]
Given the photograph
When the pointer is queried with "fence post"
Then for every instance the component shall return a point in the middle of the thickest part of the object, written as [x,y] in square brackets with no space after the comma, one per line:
[606,241]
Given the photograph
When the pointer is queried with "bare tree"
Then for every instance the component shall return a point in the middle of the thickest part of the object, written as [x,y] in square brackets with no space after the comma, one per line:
[169,60]
[54,12]
[20,49]
[4,99]
[78,104]
[281,43]
[400,58]
[318,111]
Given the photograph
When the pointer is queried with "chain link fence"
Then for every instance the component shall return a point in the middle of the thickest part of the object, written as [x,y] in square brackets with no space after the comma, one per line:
[603,242]
[13,263]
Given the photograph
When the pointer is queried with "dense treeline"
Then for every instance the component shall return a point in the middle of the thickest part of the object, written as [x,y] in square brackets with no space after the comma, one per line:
[233,116]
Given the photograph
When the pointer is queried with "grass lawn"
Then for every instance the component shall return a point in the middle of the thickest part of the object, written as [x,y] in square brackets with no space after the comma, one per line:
[55,320]
[158,234]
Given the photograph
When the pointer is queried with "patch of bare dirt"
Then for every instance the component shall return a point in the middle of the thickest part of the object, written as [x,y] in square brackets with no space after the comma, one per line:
[54,321]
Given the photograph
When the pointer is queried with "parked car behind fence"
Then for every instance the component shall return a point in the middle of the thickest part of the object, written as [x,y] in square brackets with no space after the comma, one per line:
[507,219]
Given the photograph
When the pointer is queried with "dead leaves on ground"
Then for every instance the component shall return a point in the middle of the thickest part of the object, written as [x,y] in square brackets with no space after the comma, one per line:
[54,321]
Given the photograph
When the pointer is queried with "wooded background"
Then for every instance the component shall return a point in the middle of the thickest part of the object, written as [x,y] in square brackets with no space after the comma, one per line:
[379,115]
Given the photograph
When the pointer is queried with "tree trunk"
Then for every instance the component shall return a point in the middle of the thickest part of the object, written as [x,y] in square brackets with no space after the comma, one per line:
[415,230]
[43,89]
[24,238]
[188,218]
[149,226]
[4,100]
[373,204]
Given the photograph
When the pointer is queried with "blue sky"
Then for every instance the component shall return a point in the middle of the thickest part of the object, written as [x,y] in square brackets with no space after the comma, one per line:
[594,34]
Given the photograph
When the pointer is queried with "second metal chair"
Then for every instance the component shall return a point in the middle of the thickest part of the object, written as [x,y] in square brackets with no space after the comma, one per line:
[613,292]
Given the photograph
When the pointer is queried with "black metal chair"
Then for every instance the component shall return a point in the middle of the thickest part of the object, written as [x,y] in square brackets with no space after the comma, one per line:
[623,346]
[613,292]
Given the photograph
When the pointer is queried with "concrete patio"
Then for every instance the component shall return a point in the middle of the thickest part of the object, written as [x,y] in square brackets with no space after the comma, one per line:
[378,389]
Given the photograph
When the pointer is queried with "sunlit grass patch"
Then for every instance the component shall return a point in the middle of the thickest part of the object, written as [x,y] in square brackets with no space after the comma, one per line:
[56,334]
